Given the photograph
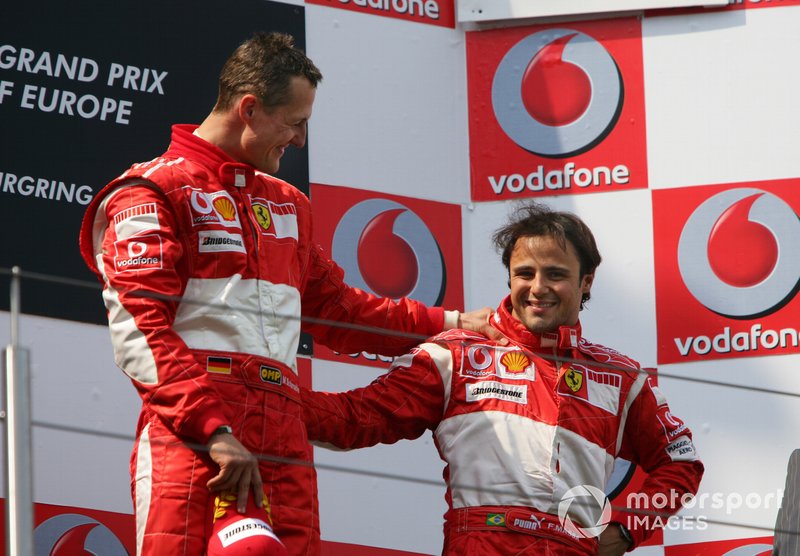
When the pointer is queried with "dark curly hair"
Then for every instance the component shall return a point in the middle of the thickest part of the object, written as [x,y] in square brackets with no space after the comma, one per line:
[534,220]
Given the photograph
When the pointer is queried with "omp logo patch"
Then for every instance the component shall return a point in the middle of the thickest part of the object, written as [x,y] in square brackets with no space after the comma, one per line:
[271,375]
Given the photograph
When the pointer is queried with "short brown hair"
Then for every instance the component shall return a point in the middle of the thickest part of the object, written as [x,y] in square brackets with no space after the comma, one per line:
[264,66]
[535,220]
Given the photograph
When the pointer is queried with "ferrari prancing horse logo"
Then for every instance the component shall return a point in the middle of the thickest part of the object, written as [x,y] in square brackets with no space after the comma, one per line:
[262,215]
[574,379]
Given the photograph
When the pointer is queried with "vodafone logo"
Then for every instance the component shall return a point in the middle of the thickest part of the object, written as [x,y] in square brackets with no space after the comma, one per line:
[738,255]
[136,249]
[201,203]
[564,106]
[479,357]
[142,252]
[385,248]
[672,420]
[557,93]
[69,534]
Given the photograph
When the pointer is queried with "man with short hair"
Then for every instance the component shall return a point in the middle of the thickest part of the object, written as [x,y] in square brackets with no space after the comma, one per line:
[519,425]
[208,263]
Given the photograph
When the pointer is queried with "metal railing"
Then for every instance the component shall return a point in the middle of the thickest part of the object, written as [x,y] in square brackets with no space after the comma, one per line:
[17,414]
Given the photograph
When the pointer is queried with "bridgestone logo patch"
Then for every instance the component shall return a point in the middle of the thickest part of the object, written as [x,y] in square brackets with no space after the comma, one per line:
[497,390]
[243,529]
[218,240]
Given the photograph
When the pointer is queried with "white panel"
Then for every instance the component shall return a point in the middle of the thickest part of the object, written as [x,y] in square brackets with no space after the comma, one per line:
[621,313]
[721,94]
[75,384]
[743,437]
[361,509]
[488,10]
[391,111]
[650,551]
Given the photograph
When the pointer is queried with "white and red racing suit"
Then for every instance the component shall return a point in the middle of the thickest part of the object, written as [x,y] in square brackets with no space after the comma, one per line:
[518,427]
[207,266]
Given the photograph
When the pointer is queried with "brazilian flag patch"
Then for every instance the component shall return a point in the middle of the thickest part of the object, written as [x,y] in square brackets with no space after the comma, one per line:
[496,520]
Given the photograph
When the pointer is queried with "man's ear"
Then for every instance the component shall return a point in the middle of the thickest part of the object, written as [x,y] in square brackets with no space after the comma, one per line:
[586,283]
[246,107]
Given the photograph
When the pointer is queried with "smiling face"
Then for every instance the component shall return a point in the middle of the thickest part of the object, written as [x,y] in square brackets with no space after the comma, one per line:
[546,285]
[269,131]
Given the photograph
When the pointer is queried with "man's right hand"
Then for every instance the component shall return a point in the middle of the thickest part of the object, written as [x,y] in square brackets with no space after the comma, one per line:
[478,321]
[238,470]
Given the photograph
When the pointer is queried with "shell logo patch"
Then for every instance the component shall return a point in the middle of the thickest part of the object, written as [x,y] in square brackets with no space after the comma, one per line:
[515,362]
[225,208]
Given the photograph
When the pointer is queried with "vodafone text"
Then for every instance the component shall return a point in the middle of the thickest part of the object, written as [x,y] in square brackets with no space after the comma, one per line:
[422,8]
[751,340]
[563,178]
[138,261]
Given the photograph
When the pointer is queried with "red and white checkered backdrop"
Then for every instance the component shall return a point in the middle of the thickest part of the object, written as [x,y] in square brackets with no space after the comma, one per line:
[672,133]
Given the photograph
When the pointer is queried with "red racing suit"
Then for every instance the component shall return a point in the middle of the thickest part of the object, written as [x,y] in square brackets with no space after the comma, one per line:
[207,266]
[522,428]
